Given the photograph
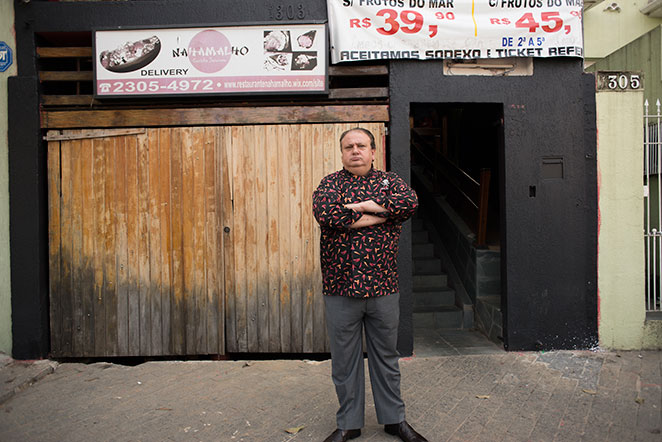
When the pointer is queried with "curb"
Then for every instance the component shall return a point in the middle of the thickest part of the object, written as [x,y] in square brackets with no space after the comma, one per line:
[48,368]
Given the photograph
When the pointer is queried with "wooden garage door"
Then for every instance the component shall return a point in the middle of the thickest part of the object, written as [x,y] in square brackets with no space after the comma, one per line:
[179,241]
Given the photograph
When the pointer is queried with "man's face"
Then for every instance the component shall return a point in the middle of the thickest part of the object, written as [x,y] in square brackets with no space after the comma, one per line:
[357,155]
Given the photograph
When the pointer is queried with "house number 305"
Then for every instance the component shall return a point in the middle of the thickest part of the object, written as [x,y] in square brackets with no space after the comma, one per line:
[620,81]
[624,81]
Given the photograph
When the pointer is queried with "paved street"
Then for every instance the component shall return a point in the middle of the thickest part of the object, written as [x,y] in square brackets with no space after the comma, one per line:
[552,396]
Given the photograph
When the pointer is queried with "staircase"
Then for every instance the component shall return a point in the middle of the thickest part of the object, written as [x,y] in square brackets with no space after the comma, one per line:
[434,301]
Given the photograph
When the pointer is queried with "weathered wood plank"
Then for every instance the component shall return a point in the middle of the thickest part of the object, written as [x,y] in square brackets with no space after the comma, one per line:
[69,100]
[64,52]
[66,269]
[87,323]
[54,246]
[197,196]
[381,129]
[307,257]
[90,133]
[178,314]
[119,178]
[248,152]
[155,284]
[334,94]
[211,116]
[227,192]
[76,246]
[144,294]
[220,196]
[317,171]
[110,265]
[239,165]
[284,246]
[133,244]
[188,302]
[99,174]
[356,92]
[164,206]
[296,143]
[210,242]
[262,142]
[353,71]
[329,151]
[273,241]
[66,76]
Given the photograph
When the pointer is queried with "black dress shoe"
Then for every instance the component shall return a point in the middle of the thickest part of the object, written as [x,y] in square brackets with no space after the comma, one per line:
[405,432]
[343,435]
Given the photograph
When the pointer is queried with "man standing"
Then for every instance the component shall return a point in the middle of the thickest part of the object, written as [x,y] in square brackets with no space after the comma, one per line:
[360,211]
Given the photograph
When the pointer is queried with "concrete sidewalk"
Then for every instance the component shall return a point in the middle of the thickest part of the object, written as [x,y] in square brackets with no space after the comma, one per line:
[553,396]
[16,376]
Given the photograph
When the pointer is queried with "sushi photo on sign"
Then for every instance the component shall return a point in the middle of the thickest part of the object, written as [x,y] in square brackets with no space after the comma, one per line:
[306,40]
[277,41]
[304,61]
[131,56]
[278,62]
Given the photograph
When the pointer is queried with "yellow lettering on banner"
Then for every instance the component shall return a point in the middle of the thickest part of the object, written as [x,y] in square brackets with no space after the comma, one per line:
[473,17]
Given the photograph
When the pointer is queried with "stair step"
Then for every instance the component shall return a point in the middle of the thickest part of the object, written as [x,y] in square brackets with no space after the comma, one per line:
[441,317]
[423,250]
[426,266]
[420,237]
[425,282]
[434,298]
[417,224]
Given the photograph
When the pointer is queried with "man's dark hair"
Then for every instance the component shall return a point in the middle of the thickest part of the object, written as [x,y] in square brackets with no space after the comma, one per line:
[360,129]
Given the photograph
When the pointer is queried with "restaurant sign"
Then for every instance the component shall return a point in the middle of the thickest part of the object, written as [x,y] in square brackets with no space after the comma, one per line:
[269,59]
[454,29]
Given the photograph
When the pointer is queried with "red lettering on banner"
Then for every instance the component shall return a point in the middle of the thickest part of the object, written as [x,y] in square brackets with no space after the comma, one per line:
[499,21]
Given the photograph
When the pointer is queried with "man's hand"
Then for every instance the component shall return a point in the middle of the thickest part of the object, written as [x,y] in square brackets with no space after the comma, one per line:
[368,206]
[367,220]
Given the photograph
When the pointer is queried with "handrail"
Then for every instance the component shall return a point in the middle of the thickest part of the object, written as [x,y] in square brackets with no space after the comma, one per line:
[474,193]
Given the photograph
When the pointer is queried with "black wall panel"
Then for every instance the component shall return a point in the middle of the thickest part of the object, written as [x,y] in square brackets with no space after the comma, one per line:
[548,240]
[28,222]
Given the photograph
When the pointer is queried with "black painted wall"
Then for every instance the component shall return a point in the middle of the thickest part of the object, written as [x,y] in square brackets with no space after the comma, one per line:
[28,222]
[549,242]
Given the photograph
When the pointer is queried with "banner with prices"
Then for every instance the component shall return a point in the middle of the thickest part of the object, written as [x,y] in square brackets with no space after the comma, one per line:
[454,29]
[266,59]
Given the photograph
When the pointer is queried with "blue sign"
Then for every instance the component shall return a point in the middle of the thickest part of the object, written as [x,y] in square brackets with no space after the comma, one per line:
[6,58]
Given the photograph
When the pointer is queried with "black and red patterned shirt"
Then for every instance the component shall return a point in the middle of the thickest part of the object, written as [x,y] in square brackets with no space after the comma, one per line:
[361,262]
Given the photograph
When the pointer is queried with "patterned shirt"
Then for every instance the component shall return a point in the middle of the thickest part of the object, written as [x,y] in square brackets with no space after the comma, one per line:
[361,262]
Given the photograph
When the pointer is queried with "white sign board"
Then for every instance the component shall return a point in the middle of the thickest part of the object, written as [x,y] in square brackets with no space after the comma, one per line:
[280,59]
[454,29]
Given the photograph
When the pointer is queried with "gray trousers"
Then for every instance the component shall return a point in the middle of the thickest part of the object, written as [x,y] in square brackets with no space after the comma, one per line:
[346,318]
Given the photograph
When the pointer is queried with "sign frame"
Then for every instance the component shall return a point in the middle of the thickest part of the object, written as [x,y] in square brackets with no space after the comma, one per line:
[323,52]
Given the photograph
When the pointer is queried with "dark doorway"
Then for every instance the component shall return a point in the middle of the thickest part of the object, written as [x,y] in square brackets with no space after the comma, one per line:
[456,163]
